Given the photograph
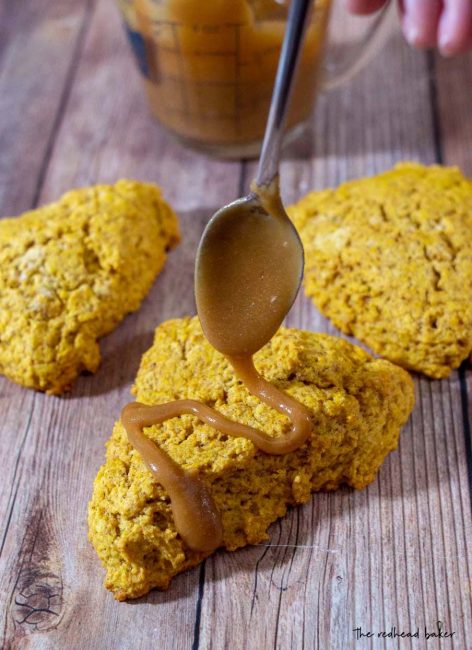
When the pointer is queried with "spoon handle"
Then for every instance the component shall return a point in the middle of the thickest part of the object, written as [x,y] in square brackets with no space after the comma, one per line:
[293,39]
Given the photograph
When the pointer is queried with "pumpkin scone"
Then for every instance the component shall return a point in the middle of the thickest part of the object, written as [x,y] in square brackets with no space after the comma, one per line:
[70,271]
[358,405]
[389,260]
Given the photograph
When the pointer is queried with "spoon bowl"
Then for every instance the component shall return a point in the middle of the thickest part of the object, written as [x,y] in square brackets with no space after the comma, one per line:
[248,271]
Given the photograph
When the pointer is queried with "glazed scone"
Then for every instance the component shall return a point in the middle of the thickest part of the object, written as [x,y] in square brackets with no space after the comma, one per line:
[389,260]
[70,271]
[358,406]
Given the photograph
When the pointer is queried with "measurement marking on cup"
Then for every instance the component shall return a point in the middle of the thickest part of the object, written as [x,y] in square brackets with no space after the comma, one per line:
[183,86]
[205,53]
[177,43]
[197,27]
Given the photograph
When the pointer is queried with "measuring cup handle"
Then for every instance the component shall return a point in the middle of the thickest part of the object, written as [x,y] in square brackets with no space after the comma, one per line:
[360,53]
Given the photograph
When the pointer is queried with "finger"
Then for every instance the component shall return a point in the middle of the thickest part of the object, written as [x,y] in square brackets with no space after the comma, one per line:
[420,20]
[455,27]
[363,7]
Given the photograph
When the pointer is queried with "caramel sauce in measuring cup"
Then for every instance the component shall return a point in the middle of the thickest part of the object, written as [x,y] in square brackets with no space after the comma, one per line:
[209,67]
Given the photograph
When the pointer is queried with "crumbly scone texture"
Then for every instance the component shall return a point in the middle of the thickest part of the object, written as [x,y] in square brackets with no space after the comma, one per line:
[358,405]
[389,260]
[70,271]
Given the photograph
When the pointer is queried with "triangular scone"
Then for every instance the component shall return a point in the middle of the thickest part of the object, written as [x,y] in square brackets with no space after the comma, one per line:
[358,405]
[70,271]
[389,260]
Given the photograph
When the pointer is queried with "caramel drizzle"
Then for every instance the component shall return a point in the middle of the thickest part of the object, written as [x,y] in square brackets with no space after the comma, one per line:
[276,399]
[196,516]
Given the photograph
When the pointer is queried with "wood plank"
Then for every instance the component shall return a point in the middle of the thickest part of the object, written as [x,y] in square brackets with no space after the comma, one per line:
[453,93]
[453,89]
[30,105]
[38,47]
[105,133]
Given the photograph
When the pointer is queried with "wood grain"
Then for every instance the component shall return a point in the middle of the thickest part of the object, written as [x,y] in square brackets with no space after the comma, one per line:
[396,554]
[39,43]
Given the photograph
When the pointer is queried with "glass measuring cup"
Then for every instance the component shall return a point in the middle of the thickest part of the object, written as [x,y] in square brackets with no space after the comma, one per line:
[209,67]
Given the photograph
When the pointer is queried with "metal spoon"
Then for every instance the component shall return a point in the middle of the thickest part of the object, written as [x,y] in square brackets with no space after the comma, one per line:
[249,262]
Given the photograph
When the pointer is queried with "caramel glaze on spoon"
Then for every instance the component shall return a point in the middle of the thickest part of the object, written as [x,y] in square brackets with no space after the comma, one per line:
[248,270]
[244,286]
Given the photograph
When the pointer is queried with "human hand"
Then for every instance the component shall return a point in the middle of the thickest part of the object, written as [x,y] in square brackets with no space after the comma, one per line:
[445,24]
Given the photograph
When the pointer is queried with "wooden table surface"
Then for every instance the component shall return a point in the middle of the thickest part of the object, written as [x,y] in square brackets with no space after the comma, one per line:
[396,554]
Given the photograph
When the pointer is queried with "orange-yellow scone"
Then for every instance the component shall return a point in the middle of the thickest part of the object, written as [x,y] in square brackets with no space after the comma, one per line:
[389,260]
[70,271]
[358,406]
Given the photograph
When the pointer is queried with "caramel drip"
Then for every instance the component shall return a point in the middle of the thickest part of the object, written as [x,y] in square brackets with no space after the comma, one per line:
[279,400]
[196,517]
[247,277]
[268,195]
